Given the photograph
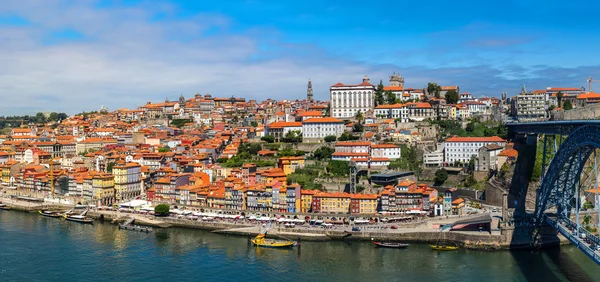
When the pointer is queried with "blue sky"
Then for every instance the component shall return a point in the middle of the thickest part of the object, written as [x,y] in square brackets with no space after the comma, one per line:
[61,55]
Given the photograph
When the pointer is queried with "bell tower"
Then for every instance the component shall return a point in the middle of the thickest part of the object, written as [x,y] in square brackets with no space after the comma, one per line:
[309,91]
[396,80]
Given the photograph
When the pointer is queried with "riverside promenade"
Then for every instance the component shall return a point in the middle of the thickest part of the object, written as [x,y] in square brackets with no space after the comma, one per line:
[425,231]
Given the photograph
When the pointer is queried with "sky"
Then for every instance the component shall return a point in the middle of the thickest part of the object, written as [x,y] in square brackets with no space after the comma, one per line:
[72,56]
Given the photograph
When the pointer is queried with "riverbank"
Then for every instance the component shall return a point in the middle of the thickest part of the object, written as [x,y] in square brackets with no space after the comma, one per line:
[413,233]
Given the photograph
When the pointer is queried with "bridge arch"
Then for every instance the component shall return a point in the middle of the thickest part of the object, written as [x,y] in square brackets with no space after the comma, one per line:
[564,173]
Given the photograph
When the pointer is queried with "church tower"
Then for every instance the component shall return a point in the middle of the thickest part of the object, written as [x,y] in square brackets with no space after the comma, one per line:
[181,101]
[397,80]
[309,92]
[366,79]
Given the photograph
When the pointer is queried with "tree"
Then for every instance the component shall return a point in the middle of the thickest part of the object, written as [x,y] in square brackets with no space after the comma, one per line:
[451,97]
[357,127]
[471,166]
[40,118]
[293,136]
[254,123]
[109,167]
[323,153]
[268,138]
[433,88]
[347,137]
[359,116]
[330,138]
[470,181]
[559,97]
[339,168]
[164,149]
[53,116]
[441,175]
[567,105]
[390,97]
[179,122]
[379,99]
[551,108]
[161,210]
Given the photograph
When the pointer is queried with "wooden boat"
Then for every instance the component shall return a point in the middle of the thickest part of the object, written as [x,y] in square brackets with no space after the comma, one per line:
[79,218]
[260,241]
[50,214]
[4,207]
[443,248]
[390,245]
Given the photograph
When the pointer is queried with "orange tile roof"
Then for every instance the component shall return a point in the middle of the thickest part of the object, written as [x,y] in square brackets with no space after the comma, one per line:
[512,153]
[353,144]
[475,139]
[282,124]
[323,120]
[311,113]
[393,88]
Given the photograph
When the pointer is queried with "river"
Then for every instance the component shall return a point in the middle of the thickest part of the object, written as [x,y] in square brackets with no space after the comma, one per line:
[35,248]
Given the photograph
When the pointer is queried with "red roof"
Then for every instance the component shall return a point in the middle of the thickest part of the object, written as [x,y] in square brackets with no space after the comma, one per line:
[475,139]
[353,144]
[281,124]
[323,120]
[512,153]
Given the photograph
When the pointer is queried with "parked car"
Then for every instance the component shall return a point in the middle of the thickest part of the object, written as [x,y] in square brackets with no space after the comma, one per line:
[394,227]
[355,229]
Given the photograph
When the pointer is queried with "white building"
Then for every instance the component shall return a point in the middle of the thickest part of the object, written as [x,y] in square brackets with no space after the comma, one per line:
[280,128]
[315,129]
[388,151]
[418,111]
[346,99]
[462,149]
[531,106]
[435,158]
[475,108]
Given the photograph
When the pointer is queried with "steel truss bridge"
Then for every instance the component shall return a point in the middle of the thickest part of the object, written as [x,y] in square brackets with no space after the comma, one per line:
[570,179]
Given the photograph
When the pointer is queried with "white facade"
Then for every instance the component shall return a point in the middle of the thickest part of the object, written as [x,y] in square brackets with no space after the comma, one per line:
[347,100]
[462,149]
[316,129]
[388,151]
[433,159]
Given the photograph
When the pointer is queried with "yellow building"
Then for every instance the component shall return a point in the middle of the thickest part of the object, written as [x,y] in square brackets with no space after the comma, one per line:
[103,188]
[306,200]
[289,164]
[7,167]
[333,202]
[128,180]
[363,204]
[452,112]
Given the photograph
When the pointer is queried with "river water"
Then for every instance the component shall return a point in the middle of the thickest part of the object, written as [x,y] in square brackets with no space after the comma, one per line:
[35,248]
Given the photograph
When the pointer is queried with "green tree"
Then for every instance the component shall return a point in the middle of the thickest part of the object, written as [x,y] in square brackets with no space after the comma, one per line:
[470,181]
[339,168]
[292,136]
[567,105]
[268,138]
[161,210]
[434,89]
[471,165]
[40,118]
[359,116]
[451,97]
[109,167]
[253,123]
[330,138]
[390,97]
[441,175]
[379,98]
[357,127]
[347,137]
[323,153]
[559,97]
[53,116]
[179,122]
[164,149]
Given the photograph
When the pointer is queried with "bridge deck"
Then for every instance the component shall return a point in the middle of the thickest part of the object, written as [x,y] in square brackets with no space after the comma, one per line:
[549,127]
[567,228]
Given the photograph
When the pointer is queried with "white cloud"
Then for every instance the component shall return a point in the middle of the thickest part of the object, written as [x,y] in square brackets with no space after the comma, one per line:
[127,58]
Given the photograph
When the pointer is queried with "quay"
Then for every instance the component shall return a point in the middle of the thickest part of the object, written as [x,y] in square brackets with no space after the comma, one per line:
[422,232]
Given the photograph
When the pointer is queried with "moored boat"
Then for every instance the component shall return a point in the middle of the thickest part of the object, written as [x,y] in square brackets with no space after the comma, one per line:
[260,241]
[79,218]
[4,207]
[443,247]
[50,214]
[390,245]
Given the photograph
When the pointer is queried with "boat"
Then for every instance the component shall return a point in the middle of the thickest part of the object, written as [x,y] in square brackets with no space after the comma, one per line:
[390,245]
[4,207]
[260,241]
[50,214]
[443,248]
[79,218]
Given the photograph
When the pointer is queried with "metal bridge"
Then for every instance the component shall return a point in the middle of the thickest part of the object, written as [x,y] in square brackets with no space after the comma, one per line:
[570,183]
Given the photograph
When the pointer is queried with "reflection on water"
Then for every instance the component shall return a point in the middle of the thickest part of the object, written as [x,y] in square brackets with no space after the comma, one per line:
[99,252]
